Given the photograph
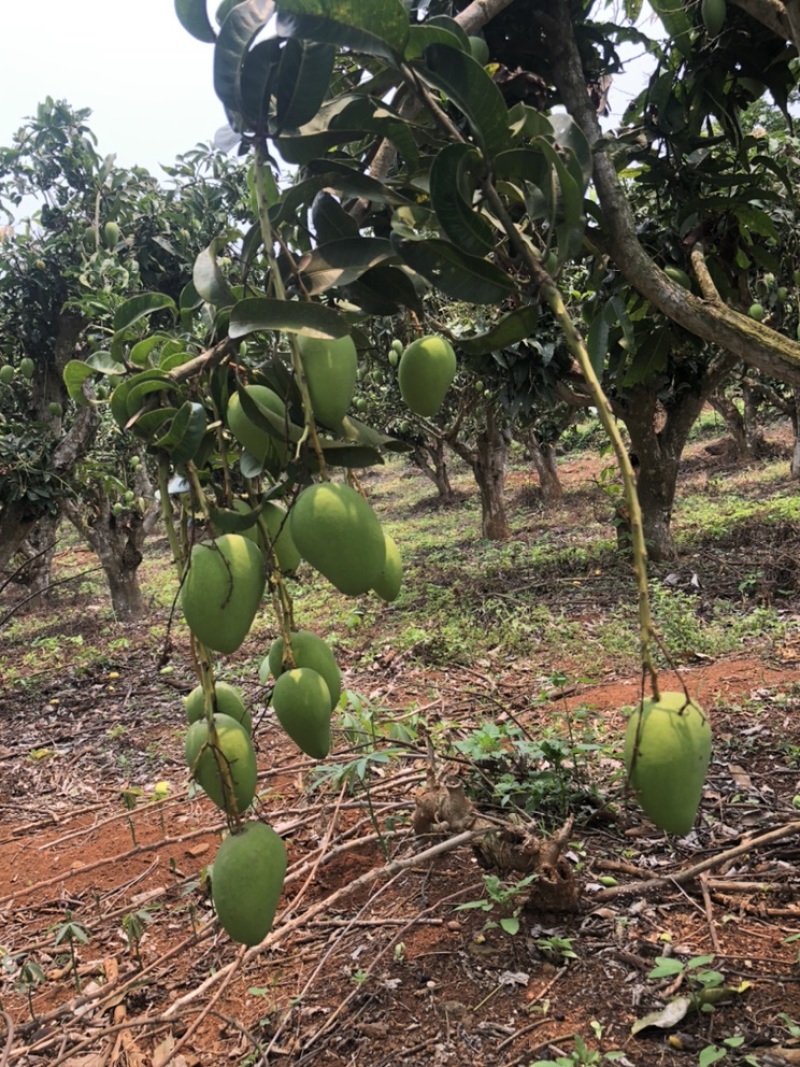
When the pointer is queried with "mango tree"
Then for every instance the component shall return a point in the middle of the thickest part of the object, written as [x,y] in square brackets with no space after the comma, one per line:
[96,234]
[419,169]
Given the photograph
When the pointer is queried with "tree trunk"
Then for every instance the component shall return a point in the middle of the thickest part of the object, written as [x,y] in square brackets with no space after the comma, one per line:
[489,463]
[734,420]
[118,541]
[431,459]
[795,464]
[39,549]
[659,449]
[544,460]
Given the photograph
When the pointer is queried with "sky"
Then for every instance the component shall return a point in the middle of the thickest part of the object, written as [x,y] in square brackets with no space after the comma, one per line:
[146,80]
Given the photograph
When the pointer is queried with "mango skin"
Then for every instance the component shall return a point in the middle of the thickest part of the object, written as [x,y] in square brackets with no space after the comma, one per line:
[276,520]
[390,579]
[229,702]
[302,702]
[246,882]
[338,533]
[426,372]
[308,651]
[235,748]
[673,749]
[330,368]
[222,590]
[267,449]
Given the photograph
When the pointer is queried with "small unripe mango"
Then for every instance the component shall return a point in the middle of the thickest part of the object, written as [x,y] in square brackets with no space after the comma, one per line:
[426,372]
[233,750]
[308,650]
[330,369]
[302,702]
[222,590]
[390,579]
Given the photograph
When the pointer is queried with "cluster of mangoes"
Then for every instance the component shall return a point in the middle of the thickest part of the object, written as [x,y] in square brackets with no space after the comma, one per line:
[667,752]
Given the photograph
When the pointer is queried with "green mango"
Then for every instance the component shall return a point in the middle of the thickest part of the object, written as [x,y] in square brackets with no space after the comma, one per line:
[111,235]
[713,14]
[679,276]
[267,449]
[339,534]
[228,701]
[27,367]
[426,372]
[667,752]
[246,882]
[330,368]
[234,748]
[277,522]
[222,590]
[756,312]
[479,50]
[390,579]
[7,374]
[302,702]
[308,650]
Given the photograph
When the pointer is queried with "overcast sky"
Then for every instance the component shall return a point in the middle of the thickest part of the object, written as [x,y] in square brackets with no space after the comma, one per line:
[146,80]
[148,83]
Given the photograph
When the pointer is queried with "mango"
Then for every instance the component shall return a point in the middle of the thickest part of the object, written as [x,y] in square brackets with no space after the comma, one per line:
[261,444]
[111,235]
[276,520]
[713,14]
[330,368]
[302,702]
[479,50]
[388,583]
[228,701]
[756,311]
[679,276]
[27,367]
[222,590]
[337,531]
[7,374]
[426,371]
[667,752]
[308,650]
[246,882]
[234,749]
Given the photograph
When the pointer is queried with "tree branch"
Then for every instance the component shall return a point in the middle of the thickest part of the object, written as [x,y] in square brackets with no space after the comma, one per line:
[751,341]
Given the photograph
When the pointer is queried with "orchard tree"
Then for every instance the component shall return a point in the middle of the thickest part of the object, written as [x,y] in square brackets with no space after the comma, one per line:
[97,234]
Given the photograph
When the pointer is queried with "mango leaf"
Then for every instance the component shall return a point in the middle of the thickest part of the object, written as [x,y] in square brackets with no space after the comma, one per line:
[227,521]
[676,22]
[341,262]
[209,281]
[356,432]
[145,424]
[303,78]
[239,30]
[330,221]
[453,178]
[264,313]
[420,37]
[277,425]
[193,16]
[119,398]
[597,342]
[445,22]
[340,178]
[569,136]
[104,363]
[259,71]
[340,454]
[76,373]
[372,27]
[465,82]
[673,1012]
[651,357]
[515,327]
[185,432]
[382,290]
[140,352]
[138,307]
[140,391]
[458,275]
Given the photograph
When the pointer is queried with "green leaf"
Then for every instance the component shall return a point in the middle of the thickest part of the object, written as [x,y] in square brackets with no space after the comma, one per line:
[433,32]
[341,454]
[569,136]
[597,343]
[193,16]
[467,84]
[382,290]
[340,178]
[263,313]
[226,521]
[341,262]
[185,433]
[373,27]
[515,327]
[209,281]
[75,374]
[259,71]
[330,221]
[710,1054]
[139,307]
[454,176]
[676,22]
[303,78]
[510,925]
[455,273]
[666,966]
[651,358]
[238,32]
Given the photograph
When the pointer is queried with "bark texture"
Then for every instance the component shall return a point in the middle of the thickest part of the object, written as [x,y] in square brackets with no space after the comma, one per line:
[488,461]
[118,541]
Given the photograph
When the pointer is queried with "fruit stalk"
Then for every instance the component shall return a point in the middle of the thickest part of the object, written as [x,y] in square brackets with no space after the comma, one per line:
[280,293]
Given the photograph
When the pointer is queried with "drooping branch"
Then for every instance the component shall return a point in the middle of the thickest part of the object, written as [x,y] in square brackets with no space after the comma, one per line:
[751,341]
